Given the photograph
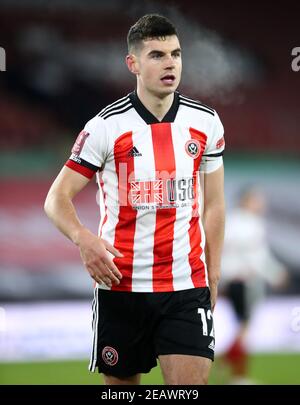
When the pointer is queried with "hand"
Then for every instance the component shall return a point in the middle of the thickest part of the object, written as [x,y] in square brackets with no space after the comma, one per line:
[93,252]
[213,286]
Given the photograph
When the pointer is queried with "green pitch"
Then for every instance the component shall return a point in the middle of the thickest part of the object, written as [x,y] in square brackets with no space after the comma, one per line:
[264,369]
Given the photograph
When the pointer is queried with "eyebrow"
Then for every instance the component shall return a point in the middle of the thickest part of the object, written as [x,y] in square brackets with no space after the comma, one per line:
[153,52]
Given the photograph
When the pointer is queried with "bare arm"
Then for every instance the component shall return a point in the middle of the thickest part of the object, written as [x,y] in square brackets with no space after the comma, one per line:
[60,209]
[214,221]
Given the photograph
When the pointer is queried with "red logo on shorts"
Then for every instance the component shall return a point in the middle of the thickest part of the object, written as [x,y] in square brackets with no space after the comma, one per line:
[110,356]
[78,145]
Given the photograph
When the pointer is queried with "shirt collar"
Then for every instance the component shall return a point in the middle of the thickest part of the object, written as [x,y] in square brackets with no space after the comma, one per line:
[147,116]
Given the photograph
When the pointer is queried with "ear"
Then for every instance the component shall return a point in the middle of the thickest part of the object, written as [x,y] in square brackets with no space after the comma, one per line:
[132,64]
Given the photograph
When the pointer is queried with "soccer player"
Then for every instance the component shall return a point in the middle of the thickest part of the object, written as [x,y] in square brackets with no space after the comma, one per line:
[248,266]
[156,280]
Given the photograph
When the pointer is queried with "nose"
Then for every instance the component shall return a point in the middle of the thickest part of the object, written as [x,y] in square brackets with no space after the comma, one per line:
[169,62]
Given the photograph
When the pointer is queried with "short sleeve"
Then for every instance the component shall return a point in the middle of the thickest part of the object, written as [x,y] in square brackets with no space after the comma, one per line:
[90,148]
[212,156]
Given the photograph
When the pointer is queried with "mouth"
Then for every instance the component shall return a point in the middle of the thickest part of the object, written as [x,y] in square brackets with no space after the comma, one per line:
[168,79]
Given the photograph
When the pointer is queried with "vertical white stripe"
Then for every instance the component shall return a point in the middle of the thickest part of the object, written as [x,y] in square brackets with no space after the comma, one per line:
[110,188]
[101,201]
[181,268]
[146,219]
[93,360]
[202,244]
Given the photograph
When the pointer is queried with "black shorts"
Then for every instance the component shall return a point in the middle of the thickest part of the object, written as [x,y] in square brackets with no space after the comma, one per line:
[132,329]
[236,292]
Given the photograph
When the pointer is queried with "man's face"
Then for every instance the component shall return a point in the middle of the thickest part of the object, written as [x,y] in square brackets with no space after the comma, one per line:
[159,65]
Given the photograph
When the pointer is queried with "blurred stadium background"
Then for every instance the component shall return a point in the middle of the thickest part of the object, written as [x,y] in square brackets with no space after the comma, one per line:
[64,62]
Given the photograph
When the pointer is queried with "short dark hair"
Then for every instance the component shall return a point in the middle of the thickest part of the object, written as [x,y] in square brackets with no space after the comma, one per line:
[148,27]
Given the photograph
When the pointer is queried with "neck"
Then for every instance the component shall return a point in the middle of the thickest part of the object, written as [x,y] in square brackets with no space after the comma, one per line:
[158,106]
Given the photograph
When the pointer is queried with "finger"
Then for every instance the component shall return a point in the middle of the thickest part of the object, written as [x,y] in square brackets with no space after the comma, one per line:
[112,249]
[96,278]
[102,272]
[103,280]
[111,276]
[95,273]
[112,268]
[107,281]
[213,303]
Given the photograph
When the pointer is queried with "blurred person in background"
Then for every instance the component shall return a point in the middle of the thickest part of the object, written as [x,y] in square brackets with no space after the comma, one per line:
[156,281]
[248,268]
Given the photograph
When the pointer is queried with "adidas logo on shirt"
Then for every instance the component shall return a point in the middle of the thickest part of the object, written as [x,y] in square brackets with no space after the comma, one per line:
[134,152]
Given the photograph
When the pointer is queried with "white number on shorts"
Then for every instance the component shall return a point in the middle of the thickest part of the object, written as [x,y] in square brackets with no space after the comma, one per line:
[201,311]
[212,332]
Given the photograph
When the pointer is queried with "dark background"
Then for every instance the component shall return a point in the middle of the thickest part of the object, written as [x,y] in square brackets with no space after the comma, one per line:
[65,62]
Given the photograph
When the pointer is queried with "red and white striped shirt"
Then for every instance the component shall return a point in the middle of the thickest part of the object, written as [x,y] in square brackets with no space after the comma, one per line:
[148,172]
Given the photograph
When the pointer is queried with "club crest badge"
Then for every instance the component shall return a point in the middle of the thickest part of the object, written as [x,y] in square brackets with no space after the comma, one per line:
[110,356]
[193,148]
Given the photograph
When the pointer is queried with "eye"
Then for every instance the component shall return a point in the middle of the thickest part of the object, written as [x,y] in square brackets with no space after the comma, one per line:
[176,55]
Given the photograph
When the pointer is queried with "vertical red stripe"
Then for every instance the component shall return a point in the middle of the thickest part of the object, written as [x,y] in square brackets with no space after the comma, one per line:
[197,265]
[165,217]
[104,201]
[125,229]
